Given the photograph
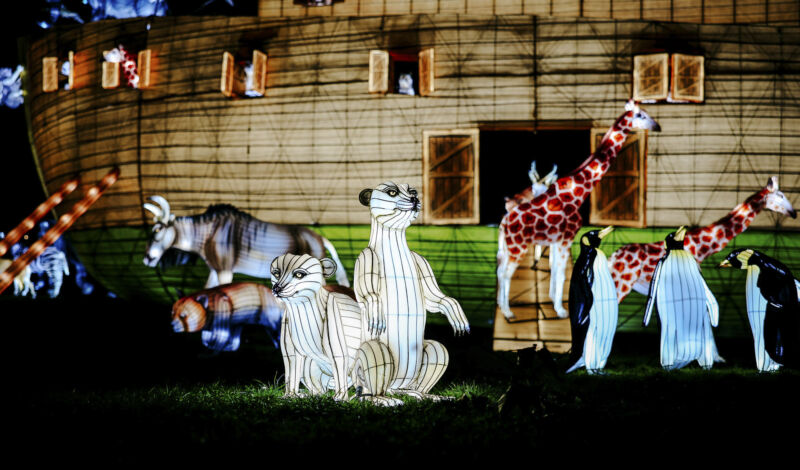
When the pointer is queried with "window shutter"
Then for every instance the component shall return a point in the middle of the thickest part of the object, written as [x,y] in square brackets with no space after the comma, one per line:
[619,198]
[650,77]
[226,81]
[110,77]
[687,77]
[426,71]
[260,72]
[49,74]
[143,67]
[71,77]
[450,172]
[378,71]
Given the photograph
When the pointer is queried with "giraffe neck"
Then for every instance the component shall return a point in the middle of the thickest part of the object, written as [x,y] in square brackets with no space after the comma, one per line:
[592,170]
[717,235]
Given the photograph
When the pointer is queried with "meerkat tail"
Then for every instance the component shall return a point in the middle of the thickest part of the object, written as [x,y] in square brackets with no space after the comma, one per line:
[341,274]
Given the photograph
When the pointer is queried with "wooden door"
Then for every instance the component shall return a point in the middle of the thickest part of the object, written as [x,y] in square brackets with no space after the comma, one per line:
[450,176]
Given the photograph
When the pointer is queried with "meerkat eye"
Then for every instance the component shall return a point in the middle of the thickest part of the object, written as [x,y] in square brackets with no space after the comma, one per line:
[276,272]
[392,192]
[299,274]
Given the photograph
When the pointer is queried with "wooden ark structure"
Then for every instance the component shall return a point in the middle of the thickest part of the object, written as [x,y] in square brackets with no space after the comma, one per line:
[496,85]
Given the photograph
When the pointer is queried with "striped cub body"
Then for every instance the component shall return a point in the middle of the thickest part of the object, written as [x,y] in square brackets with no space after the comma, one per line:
[321,332]
[231,241]
[221,313]
[396,288]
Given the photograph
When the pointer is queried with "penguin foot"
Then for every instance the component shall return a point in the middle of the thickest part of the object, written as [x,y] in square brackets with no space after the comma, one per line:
[596,372]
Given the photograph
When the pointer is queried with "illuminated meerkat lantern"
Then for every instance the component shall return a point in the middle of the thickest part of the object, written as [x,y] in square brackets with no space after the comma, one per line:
[322,333]
[396,288]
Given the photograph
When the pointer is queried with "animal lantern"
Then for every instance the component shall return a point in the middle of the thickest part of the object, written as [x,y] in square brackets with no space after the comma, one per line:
[231,241]
[323,334]
[773,308]
[221,312]
[538,186]
[593,308]
[552,218]
[686,307]
[632,265]
[121,55]
[395,287]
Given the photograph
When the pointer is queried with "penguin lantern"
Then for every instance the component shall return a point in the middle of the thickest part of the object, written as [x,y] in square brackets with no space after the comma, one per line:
[686,308]
[773,308]
[593,307]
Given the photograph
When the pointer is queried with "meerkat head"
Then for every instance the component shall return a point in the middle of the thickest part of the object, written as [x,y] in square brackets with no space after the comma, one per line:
[392,205]
[297,278]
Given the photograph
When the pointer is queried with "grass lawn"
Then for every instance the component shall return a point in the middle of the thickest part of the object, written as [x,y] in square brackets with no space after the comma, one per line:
[102,380]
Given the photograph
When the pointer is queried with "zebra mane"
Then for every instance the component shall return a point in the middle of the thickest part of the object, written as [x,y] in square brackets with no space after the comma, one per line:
[218,211]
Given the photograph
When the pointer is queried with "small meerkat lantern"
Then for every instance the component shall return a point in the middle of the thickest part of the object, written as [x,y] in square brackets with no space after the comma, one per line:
[593,308]
[773,308]
[396,287]
[686,308]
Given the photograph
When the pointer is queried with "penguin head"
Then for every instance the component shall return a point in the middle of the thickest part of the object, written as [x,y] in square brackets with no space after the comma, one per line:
[739,259]
[674,240]
[593,238]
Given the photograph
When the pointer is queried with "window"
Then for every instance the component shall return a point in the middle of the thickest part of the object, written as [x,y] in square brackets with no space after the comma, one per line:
[450,177]
[243,78]
[401,72]
[135,67]
[672,78]
[56,71]
[619,198]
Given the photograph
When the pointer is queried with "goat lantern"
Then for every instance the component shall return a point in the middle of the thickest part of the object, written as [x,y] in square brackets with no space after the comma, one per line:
[221,313]
[231,241]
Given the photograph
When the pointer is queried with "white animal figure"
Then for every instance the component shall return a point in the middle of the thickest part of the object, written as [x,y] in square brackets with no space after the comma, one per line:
[395,287]
[686,307]
[405,84]
[756,311]
[593,308]
[22,283]
[230,241]
[53,265]
[321,332]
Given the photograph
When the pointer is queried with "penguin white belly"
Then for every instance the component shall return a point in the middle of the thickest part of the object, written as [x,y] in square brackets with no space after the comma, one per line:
[602,316]
[685,324]
[756,310]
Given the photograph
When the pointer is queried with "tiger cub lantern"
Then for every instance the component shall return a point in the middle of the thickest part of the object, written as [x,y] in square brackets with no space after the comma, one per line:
[220,313]
[322,333]
[396,288]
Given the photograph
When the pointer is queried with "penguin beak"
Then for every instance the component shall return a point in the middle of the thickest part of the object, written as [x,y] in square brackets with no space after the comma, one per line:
[725,264]
[605,232]
[680,233]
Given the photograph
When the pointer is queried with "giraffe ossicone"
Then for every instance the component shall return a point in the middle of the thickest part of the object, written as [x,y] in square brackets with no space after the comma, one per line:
[552,218]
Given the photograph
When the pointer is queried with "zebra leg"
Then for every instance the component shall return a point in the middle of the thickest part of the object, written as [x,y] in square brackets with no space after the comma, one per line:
[373,371]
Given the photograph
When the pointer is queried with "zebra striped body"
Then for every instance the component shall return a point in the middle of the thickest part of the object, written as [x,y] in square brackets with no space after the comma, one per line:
[51,267]
[321,332]
[687,310]
[396,287]
[232,241]
[756,311]
[221,313]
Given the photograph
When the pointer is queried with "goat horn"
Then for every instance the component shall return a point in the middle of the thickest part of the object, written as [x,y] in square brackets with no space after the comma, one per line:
[157,212]
[164,207]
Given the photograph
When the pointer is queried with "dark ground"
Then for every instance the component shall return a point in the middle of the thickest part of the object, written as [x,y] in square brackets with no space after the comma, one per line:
[103,380]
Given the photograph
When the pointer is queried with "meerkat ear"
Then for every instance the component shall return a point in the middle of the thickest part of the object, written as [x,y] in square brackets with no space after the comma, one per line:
[364,197]
[328,267]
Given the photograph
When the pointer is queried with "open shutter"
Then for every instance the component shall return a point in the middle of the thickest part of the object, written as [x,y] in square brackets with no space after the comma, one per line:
[71,77]
[110,78]
[650,77]
[260,72]
[619,198]
[49,74]
[378,71]
[426,72]
[226,80]
[688,72]
[450,172]
[143,67]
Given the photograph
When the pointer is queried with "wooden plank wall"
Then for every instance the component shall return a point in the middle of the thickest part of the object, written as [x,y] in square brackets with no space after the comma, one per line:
[774,12]
[302,153]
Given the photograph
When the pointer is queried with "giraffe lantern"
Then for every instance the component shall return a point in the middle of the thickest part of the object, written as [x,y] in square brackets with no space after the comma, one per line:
[537,187]
[552,218]
[632,265]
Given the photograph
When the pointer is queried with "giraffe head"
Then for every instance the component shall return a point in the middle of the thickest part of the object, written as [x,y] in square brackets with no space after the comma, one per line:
[392,205]
[641,120]
[776,201]
[739,259]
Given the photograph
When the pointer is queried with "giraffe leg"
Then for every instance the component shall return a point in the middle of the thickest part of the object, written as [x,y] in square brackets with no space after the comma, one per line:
[558,267]
[373,371]
[537,252]
[505,270]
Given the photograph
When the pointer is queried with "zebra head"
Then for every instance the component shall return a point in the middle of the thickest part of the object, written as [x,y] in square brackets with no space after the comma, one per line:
[163,235]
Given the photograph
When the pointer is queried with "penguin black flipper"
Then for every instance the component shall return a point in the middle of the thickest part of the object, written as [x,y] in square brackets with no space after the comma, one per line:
[651,297]
[581,300]
[782,317]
